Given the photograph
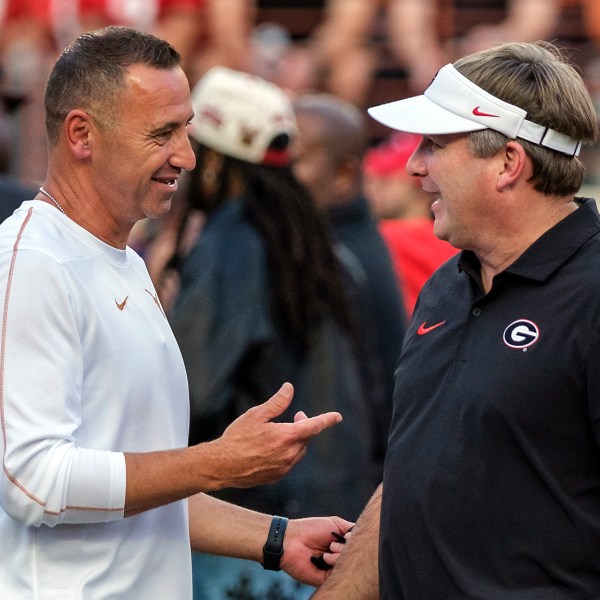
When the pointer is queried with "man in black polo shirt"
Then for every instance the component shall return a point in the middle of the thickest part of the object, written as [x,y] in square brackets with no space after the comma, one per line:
[491,487]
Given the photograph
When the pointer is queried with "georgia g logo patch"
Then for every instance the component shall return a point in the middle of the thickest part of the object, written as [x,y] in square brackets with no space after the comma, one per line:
[521,334]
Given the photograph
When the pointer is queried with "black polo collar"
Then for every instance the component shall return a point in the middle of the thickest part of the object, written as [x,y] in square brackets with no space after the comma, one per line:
[552,249]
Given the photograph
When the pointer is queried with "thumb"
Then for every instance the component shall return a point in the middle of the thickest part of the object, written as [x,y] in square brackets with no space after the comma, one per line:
[278,402]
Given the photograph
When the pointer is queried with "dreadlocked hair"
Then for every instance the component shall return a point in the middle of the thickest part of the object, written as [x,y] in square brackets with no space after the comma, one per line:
[306,274]
[307,279]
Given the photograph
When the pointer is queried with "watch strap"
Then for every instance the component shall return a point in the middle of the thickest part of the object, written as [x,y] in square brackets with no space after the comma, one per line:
[273,548]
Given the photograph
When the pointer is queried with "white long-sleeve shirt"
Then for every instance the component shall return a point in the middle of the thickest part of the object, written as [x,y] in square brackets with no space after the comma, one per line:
[89,369]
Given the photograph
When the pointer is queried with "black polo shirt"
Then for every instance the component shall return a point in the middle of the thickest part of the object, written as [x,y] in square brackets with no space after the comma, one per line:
[492,478]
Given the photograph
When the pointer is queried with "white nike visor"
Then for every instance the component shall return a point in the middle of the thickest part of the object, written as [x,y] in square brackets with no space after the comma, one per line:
[454,104]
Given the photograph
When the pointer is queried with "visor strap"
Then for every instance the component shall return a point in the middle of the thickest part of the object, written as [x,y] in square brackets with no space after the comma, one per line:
[457,94]
[548,138]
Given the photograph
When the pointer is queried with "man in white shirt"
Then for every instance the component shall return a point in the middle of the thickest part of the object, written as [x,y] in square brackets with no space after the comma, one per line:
[93,400]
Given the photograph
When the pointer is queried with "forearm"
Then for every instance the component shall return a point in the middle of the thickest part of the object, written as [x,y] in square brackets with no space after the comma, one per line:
[347,25]
[356,575]
[526,21]
[228,530]
[217,527]
[182,29]
[158,478]
[413,31]
[415,41]
[230,25]
[531,20]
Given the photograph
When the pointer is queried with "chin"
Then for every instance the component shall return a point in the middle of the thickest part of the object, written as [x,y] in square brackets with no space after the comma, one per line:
[159,209]
[440,231]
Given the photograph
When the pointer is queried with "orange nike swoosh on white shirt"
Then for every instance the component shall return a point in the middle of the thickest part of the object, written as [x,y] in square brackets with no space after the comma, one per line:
[121,305]
[423,329]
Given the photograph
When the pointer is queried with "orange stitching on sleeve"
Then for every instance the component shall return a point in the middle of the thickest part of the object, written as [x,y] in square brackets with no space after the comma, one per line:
[9,475]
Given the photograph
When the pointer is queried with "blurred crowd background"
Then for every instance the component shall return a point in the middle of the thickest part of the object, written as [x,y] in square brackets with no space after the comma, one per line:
[365,51]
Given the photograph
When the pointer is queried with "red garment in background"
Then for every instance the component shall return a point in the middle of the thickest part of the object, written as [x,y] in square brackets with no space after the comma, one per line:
[129,12]
[122,12]
[34,10]
[416,253]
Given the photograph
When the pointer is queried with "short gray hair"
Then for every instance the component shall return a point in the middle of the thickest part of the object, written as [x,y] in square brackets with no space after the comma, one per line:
[91,73]
[538,79]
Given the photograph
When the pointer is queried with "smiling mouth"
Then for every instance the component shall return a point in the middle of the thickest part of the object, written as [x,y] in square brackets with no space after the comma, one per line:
[170,181]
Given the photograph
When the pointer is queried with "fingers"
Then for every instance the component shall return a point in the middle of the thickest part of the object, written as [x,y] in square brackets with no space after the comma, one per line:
[339,537]
[320,563]
[330,559]
[343,525]
[305,427]
[311,426]
[342,539]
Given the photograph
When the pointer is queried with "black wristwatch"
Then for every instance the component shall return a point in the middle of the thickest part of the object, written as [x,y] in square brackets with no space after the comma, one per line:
[273,548]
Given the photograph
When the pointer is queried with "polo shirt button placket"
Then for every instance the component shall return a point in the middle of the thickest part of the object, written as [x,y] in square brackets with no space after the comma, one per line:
[476,311]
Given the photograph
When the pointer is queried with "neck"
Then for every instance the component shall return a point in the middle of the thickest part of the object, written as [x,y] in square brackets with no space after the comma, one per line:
[506,249]
[91,215]
[52,199]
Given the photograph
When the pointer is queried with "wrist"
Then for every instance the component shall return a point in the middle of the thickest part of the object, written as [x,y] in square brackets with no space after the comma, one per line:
[211,466]
[273,548]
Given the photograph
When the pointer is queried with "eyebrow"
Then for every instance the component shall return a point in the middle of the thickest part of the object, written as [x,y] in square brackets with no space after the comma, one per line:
[173,124]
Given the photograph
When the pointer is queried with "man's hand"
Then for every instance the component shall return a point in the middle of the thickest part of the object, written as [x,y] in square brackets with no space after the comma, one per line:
[329,559]
[253,450]
[307,538]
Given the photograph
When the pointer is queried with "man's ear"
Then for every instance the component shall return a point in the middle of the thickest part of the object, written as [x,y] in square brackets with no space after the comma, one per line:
[78,128]
[515,165]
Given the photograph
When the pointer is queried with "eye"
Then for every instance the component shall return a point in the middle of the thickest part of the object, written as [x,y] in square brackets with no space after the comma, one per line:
[431,145]
[162,137]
